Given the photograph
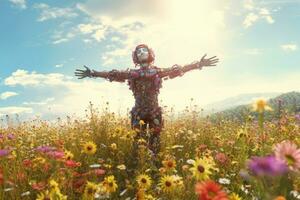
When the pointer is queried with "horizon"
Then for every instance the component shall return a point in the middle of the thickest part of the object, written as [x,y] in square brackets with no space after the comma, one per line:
[50,39]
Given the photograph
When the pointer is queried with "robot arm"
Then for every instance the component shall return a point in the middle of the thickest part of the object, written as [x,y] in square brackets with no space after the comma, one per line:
[113,75]
[178,70]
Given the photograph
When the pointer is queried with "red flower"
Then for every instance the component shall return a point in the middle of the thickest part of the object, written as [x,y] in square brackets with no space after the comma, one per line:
[72,163]
[1,177]
[27,163]
[209,190]
[39,186]
[99,172]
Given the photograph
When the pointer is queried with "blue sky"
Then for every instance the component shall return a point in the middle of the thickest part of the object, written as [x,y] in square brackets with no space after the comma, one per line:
[43,42]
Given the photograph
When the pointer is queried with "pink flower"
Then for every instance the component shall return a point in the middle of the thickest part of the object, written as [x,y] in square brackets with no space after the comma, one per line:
[221,157]
[288,152]
[56,154]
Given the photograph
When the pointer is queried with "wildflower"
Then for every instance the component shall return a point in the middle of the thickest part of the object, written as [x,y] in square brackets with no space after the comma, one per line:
[43,196]
[1,177]
[202,168]
[110,184]
[95,166]
[53,185]
[209,190]
[141,122]
[55,191]
[25,194]
[190,161]
[44,148]
[113,146]
[167,184]
[144,181]
[221,158]
[89,191]
[261,105]
[27,163]
[90,148]
[288,152]
[72,163]
[56,154]
[169,164]
[234,196]
[268,165]
[68,155]
[99,172]
[38,186]
[11,136]
[4,152]
[224,181]
[121,167]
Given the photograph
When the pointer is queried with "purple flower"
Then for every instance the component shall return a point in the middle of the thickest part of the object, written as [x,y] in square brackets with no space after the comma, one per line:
[45,149]
[297,117]
[4,152]
[269,166]
[11,136]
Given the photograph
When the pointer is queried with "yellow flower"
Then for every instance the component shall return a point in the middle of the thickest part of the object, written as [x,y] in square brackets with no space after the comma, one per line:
[53,185]
[110,184]
[169,164]
[68,155]
[89,191]
[142,122]
[234,196]
[113,146]
[144,181]
[121,167]
[89,148]
[43,195]
[202,168]
[167,184]
[55,191]
[261,105]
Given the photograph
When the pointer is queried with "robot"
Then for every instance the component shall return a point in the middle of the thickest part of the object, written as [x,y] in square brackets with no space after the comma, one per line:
[145,82]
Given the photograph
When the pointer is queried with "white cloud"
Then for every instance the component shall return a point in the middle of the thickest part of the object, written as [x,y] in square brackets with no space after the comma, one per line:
[59,65]
[256,12]
[289,47]
[60,37]
[48,12]
[44,102]
[14,110]
[24,78]
[250,19]
[165,27]
[6,95]
[20,3]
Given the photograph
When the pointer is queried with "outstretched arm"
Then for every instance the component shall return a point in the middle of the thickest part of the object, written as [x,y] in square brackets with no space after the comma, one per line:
[178,70]
[113,75]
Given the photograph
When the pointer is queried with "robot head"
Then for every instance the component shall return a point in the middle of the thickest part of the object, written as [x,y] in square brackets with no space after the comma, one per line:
[143,54]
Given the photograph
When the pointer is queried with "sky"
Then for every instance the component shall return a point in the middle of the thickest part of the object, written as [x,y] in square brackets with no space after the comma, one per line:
[43,42]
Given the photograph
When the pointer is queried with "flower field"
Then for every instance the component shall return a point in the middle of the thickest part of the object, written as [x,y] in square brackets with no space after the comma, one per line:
[201,159]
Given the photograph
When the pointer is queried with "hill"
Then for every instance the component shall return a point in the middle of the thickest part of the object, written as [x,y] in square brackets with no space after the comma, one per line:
[287,102]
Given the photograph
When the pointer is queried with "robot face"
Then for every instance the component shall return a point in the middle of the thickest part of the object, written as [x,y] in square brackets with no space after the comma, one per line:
[142,54]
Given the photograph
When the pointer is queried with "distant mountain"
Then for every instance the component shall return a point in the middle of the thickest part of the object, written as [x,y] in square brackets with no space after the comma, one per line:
[288,102]
[235,101]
